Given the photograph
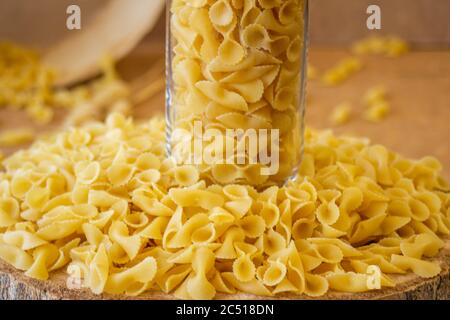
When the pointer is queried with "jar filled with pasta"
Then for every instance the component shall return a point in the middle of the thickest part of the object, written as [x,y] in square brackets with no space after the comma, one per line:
[236,87]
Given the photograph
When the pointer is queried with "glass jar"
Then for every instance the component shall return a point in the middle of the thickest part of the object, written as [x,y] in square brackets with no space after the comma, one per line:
[236,88]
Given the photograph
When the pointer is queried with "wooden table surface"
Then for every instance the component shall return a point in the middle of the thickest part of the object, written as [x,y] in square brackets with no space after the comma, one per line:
[418,84]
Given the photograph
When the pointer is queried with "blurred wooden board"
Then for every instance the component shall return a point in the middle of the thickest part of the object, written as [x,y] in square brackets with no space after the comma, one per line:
[423,22]
[339,22]
[418,85]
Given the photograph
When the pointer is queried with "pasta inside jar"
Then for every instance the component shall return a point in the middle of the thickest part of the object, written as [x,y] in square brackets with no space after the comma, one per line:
[236,88]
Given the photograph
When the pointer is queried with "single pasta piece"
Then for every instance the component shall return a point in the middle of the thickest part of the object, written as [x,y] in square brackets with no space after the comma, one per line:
[16,137]
[341,113]
[377,105]
[341,71]
[312,72]
[389,46]
[396,47]
[107,65]
[186,175]
[378,111]
[375,95]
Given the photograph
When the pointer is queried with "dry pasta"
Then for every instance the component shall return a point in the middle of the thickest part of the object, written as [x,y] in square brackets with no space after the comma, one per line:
[377,111]
[341,113]
[15,137]
[389,46]
[122,219]
[28,85]
[237,65]
[378,106]
[341,71]
[312,72]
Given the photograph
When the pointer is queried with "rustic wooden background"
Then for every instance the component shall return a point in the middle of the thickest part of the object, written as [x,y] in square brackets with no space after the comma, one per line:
[423,22]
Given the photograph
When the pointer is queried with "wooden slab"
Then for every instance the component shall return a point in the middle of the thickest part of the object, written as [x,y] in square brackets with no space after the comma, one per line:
[15,285]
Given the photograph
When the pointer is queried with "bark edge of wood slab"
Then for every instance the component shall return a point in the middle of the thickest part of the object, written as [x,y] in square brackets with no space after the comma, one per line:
[14,285]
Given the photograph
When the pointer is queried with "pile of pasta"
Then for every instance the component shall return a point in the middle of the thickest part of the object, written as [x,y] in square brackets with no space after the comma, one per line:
[238,64]
[27,84]
[104,201]
[24,82]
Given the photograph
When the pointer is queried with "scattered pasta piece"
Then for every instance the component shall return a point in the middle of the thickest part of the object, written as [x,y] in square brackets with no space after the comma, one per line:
[103,202]
[388,46]
[342,71]
[312,72]
[377,111]
[377,105]
[341,113]
[375,95]
[15,137]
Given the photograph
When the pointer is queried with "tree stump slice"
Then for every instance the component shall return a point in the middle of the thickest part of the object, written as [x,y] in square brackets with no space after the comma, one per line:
[14,285]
